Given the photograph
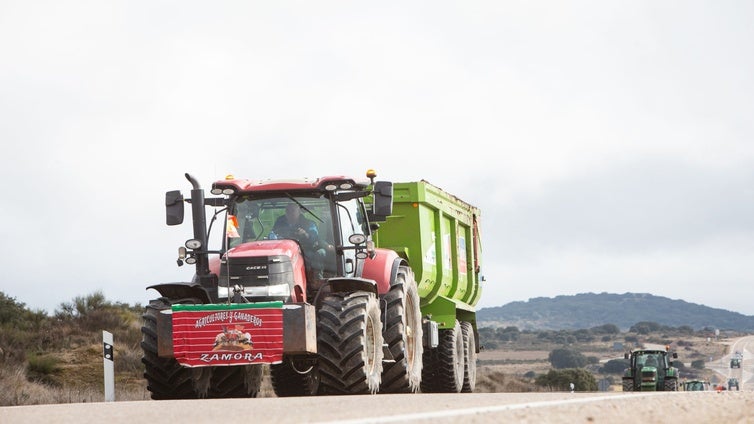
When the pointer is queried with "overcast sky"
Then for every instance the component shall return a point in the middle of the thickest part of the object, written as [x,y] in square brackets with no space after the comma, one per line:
[609,144]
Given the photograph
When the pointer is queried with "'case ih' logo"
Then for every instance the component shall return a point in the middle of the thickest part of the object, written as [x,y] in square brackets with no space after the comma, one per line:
[256,267]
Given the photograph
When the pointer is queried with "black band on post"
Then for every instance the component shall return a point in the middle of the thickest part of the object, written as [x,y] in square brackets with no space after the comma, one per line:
[108,351]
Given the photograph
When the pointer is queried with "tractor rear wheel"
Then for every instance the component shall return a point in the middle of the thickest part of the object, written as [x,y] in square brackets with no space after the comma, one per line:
[469,357]
[166,378]
[444,365]
[628,385]
[403,335]
[349,343]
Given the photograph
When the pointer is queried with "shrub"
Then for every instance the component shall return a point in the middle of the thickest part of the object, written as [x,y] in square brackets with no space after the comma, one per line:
[582,379]
[567,358]
[614,366]
[42,368]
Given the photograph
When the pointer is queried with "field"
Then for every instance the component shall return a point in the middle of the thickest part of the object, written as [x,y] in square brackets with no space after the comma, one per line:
[528,357]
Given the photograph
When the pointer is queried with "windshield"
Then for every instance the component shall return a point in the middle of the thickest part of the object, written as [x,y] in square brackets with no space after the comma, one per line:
[307,220]
[255,219]
[649,360]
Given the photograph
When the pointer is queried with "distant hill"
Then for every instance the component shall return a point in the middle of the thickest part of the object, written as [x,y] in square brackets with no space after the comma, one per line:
[589,310]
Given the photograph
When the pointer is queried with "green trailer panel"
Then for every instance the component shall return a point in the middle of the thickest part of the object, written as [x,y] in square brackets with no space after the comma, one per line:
[438,234]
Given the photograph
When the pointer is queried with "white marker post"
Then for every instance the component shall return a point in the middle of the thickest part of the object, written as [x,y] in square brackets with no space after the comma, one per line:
[107,355]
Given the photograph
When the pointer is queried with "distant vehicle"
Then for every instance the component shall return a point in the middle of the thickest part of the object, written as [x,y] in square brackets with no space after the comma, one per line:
[733,382]
[735,363]
[695,385]
[650,369]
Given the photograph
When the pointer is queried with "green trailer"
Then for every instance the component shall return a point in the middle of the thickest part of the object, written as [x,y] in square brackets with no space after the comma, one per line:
[437,234]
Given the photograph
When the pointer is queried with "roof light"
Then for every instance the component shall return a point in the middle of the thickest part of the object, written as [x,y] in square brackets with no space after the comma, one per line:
[228,191]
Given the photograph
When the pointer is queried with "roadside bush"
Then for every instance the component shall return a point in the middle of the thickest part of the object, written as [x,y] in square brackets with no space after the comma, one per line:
[698,364]
[42,368]
[560,380]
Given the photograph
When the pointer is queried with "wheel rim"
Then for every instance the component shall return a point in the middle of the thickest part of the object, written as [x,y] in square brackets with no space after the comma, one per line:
[410,342]
[371,345]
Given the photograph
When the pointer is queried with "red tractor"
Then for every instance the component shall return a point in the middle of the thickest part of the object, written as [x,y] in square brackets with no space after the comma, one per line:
[299,285]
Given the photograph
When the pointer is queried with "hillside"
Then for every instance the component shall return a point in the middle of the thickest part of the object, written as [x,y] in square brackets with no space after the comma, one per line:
[587,310]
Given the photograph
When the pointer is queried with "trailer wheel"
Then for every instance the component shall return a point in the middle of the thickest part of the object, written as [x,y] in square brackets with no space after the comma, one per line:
[403,335]
[349,343]
[166,378]
[469,357]
[294,377]
[444,365]
[240,381]
[671,385]
[628,385]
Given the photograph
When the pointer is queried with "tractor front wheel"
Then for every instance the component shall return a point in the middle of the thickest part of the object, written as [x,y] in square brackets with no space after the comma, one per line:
[349,343]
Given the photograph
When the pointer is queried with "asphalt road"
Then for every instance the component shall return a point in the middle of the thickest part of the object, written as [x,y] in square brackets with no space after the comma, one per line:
[610,407]
[745,374]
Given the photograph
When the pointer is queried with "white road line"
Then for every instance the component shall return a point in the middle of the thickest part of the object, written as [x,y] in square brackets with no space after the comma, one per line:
[485,409]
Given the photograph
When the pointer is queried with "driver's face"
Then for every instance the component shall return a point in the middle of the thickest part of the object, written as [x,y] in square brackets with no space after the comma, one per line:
[292,213]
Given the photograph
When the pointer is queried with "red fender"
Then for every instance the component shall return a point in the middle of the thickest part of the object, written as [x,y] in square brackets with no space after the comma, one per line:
[380,269]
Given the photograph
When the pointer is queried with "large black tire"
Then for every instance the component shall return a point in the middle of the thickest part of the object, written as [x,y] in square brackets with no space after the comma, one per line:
[294,378]
[349,344]
[240,381]
[166,378]
[671,385]
[469,357]
[444,365]
[628,385]
[403,335]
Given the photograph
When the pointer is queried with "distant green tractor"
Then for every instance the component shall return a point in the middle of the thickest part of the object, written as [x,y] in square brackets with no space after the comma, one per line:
[650,370]
[733,382]
[735,363]
[695,385]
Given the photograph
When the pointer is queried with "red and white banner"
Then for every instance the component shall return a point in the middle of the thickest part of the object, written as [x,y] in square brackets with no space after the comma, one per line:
[222,334]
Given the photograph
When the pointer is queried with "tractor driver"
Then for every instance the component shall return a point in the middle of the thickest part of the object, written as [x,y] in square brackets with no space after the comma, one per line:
[651,361]
[293,225]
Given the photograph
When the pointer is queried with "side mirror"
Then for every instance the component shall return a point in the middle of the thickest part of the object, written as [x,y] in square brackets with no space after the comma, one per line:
[625,356]
[675,355]
[383,200]
[174,207]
